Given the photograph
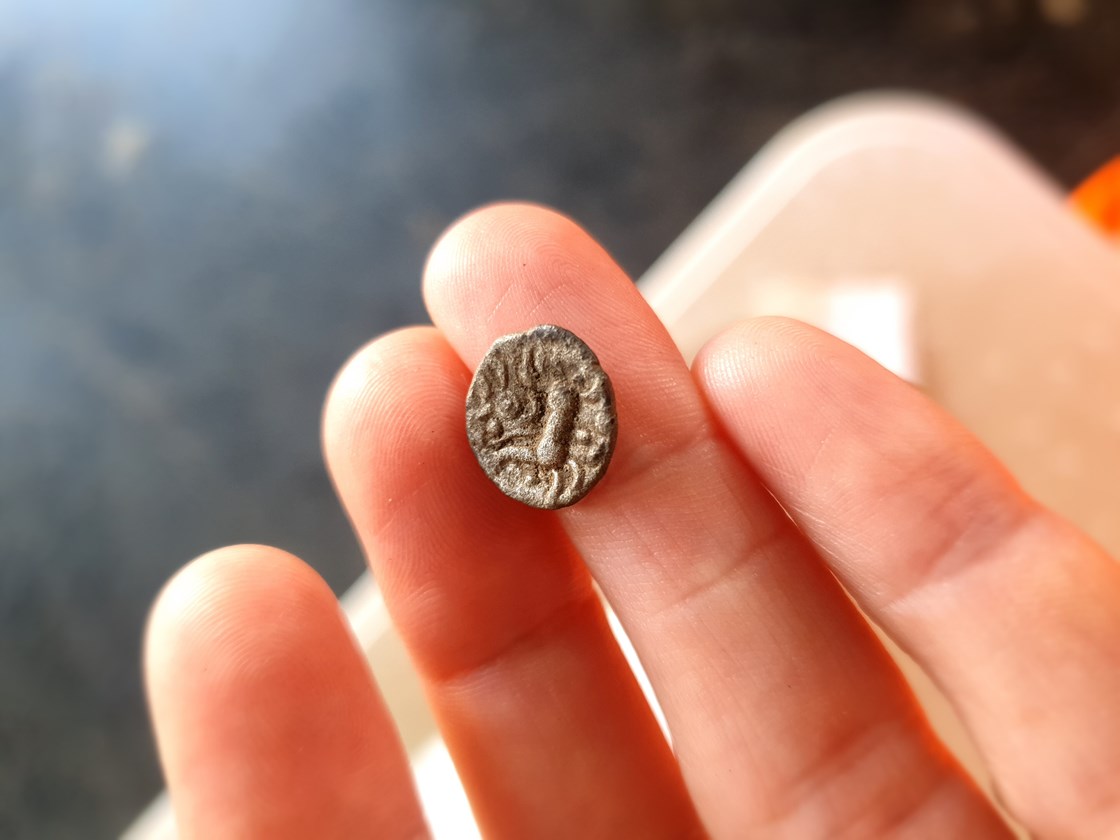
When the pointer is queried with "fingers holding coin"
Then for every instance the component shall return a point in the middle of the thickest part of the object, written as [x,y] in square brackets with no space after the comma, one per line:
[784,708]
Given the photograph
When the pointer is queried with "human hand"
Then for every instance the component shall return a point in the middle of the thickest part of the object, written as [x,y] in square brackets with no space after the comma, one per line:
[788,718]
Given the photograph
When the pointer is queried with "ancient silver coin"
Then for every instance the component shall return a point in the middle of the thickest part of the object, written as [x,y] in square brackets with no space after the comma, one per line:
[541,417]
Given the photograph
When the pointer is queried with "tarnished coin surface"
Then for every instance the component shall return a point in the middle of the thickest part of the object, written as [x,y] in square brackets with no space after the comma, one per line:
[541,417]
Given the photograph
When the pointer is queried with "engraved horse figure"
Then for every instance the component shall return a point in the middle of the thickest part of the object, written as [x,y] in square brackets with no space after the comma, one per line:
[532,420]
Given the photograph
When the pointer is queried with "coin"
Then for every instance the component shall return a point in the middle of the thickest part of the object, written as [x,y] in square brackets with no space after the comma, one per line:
[541,417]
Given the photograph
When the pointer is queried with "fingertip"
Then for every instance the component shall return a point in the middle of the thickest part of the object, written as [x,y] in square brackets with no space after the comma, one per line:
[394,411]
[479,270]
[197,605]
[266,717]
[504,230]
[760,352]
[368,380]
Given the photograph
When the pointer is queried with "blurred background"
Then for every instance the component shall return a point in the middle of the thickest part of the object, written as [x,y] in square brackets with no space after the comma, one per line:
[206,206]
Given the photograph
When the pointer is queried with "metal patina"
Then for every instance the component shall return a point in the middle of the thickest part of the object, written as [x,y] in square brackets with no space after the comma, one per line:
[541,417]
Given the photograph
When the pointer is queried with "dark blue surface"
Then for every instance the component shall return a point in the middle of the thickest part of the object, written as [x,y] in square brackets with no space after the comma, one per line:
[206,206]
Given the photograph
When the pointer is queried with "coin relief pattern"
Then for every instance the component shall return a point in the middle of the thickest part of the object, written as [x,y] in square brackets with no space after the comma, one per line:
[541,417]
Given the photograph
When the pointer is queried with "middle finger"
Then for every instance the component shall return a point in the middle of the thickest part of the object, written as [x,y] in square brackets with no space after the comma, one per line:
[549,730]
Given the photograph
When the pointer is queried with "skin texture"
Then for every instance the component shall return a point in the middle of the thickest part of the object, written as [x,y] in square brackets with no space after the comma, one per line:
[788,718]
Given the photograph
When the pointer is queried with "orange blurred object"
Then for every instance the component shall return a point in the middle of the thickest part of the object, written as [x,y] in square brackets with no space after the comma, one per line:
[1098,198]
